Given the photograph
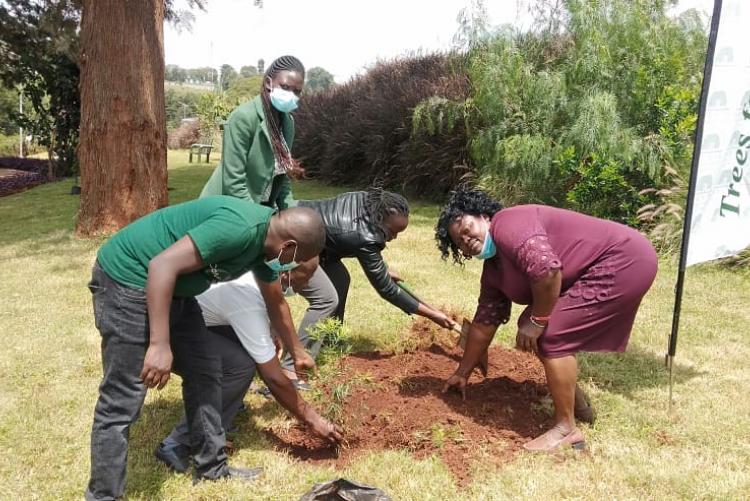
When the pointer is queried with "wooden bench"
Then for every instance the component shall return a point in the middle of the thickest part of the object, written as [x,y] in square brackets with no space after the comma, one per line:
[204,146]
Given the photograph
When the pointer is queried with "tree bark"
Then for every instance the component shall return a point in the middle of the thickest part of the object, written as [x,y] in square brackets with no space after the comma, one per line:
[122,150]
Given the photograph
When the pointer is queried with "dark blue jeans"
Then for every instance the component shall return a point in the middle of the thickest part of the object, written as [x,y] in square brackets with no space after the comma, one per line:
[121,316]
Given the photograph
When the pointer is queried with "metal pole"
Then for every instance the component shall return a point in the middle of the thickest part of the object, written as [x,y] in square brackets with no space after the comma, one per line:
[707,68]
[20,129]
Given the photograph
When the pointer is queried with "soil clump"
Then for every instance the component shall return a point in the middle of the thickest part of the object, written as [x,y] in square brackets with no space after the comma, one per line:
[395,401]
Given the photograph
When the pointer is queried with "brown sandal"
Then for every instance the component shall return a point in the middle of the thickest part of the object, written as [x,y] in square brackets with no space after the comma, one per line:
[545,443]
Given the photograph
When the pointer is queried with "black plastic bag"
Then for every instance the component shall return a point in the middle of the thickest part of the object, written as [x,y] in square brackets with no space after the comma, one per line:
[344,490]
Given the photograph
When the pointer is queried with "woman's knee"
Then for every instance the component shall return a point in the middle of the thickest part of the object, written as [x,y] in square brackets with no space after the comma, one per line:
[325,300]
[330,303]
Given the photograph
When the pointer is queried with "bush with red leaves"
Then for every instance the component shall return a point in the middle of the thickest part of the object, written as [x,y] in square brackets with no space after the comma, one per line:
[22,173]
[361,131]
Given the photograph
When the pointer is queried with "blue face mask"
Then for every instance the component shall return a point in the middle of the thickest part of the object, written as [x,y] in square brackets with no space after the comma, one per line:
[488,249]
[284,100]
[275,263]
[289,290]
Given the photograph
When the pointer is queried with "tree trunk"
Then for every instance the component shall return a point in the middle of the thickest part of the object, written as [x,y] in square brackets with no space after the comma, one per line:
[122,150]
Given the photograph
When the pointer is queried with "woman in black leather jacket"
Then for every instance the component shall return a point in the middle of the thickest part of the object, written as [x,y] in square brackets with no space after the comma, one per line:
[358,224]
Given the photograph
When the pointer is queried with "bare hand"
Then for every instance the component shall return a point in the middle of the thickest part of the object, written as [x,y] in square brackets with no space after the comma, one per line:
[157,366]
[326,430]
[456,381]
[527,336]
[394,275]
[303,363]
[442,319]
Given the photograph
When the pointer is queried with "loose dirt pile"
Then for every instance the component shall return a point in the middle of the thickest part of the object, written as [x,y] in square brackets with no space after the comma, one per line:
[396,402]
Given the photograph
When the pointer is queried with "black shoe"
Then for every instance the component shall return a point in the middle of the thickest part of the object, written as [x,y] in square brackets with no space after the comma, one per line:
[264,392]
[301,385]
[298,385]
[244,474]
[176,457]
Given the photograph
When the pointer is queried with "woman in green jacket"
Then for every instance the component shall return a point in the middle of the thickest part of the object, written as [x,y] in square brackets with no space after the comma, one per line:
[256,159]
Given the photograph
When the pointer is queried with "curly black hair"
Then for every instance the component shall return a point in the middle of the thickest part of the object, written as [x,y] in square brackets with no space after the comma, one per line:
[464,200]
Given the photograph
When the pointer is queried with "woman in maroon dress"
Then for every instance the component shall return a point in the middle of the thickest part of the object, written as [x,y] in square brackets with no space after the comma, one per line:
[582,278]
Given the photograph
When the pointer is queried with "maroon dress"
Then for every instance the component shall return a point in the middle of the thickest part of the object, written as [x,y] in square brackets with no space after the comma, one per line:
[606,269]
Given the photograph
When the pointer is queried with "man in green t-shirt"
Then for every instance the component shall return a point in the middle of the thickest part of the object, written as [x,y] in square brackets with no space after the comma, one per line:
[143,286]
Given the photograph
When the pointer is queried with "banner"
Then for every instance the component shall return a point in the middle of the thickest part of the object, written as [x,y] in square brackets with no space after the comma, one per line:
[720,220]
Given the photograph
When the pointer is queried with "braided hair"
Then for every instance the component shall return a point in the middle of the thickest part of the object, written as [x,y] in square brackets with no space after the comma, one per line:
[381,204]
[281,150]
[463,201]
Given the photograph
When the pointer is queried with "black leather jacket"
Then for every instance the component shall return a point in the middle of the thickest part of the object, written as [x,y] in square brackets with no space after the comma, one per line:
[349,234]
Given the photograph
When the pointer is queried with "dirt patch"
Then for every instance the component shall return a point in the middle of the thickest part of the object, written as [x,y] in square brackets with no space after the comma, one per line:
[396,402]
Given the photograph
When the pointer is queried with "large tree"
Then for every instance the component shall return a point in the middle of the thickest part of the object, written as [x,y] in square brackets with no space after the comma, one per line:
[122,152]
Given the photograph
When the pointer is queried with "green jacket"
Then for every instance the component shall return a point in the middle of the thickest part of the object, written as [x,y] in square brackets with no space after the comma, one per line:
[247,160]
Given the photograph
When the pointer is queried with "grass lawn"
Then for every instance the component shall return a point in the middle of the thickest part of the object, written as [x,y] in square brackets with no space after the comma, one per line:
[50,369]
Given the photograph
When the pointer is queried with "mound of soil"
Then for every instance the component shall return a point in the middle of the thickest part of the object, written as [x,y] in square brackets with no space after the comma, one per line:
[396,402]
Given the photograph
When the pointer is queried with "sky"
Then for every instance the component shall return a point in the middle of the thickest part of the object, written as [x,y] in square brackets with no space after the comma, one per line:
[342,36]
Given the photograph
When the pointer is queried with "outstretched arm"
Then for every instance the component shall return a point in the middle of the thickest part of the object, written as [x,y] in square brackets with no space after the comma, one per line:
[435,315]
[283,390]
[281,323]
[493,309]
[477,343]
[375,269]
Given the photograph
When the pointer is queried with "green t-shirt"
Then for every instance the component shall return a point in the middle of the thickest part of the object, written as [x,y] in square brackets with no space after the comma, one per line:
[228,232]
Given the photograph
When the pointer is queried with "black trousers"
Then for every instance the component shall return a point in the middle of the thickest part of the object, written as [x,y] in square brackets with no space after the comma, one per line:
[121,316]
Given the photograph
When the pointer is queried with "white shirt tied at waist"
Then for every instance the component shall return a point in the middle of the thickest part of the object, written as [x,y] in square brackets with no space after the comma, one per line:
[240,305]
